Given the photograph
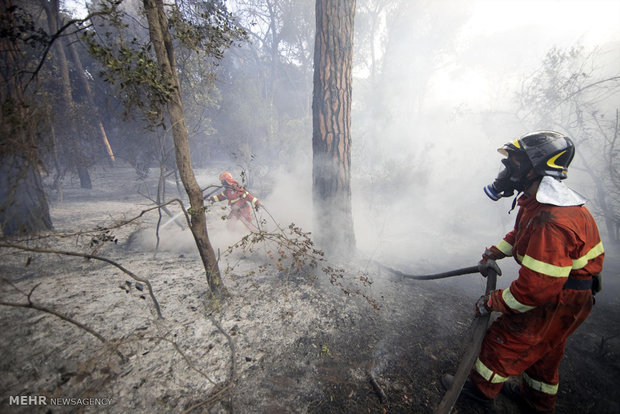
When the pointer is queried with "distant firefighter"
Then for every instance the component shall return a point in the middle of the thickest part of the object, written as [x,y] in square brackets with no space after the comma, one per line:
[239,200]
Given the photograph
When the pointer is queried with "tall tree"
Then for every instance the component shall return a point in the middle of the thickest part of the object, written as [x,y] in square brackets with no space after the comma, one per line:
[331,125]
[74,141]
[23,205]
[164,52]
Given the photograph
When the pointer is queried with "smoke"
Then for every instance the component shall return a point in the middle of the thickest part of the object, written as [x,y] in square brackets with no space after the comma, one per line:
[171,239]
[289,197]
[425,133]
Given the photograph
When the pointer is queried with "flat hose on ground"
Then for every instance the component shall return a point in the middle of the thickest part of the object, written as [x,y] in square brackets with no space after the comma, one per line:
[478,329]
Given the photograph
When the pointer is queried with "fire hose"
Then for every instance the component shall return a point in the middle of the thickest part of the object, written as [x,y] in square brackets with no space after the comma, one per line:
[480,267]
[478,327]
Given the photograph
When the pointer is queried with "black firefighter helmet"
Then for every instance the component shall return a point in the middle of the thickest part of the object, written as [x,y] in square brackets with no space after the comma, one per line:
[549,152]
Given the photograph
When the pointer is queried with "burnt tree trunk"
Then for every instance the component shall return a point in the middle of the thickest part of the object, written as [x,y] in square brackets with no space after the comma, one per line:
[23,206]
[162,45]
[331,125]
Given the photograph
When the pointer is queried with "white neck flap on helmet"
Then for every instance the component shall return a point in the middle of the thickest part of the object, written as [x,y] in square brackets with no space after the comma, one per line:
[555,192]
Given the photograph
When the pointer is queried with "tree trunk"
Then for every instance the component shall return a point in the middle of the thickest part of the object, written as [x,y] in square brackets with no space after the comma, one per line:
[331,129]
[54,149]
[91,104]
[52,9]
[23,205]
[160,37]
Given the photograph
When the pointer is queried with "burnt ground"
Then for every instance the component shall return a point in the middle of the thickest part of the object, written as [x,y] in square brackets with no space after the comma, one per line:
[418,335]
[282,342]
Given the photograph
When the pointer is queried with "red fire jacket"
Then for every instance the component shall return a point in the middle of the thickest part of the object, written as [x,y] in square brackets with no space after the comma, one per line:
[238,199]
[551,244]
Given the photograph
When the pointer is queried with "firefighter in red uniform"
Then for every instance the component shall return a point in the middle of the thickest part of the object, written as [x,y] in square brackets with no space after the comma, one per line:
[557,244]
[239,200]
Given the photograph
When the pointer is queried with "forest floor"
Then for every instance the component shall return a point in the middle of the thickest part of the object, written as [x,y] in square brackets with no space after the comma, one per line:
[283,341]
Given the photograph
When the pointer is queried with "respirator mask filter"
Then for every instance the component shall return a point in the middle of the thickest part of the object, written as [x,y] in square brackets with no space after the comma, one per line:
[511,178]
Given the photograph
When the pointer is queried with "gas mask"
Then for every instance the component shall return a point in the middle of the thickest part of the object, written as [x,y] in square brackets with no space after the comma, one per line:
[512,177]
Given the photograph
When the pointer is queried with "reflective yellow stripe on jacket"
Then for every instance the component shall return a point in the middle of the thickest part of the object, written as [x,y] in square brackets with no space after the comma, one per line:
[513,303]
[505,247]
[549,270]
[539,267]
[545,268]
[594,252]
[561,271]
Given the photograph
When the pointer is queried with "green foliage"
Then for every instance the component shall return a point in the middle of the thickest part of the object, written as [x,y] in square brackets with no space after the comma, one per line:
[19,26]
[132,68]
[206,28]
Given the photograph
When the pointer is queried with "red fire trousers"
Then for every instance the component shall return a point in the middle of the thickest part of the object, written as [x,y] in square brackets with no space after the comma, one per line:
[531,343]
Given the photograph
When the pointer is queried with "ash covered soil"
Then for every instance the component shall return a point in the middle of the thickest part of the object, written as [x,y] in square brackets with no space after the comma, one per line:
[283,341]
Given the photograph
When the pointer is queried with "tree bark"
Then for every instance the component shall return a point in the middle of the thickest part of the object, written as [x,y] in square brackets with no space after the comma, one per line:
[23,206]
[331,119]
[162,45]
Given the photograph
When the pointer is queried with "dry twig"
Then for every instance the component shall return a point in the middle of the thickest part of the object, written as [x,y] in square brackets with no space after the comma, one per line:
[90,256]
[31,305]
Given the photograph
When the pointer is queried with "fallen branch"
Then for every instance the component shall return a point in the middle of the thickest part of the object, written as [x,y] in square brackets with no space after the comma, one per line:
[215,395]
[116,225]
[231,344]
[375,385]
[90,256]
[31,305]
[185,357]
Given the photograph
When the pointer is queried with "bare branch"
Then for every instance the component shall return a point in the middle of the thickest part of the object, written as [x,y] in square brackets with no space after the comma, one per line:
[229,382]
[90,256]
[185,357]
[119,224]
[591,85]
[66,318]
[59,33]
